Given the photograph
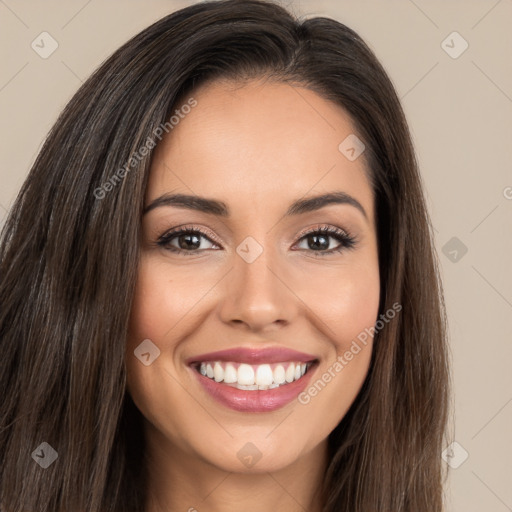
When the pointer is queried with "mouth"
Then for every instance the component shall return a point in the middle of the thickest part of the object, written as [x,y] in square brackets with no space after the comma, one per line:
[250,377]
[248,380]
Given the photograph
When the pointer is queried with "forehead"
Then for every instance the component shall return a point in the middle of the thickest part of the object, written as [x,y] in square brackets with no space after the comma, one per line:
[258,143]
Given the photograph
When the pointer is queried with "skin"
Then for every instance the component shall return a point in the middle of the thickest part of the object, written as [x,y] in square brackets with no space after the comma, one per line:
[257,147]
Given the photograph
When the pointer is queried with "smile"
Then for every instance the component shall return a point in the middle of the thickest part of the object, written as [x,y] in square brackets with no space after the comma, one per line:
[253,380]
[253,377]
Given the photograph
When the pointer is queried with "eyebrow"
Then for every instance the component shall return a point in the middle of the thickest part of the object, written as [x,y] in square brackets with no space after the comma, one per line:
[219,208]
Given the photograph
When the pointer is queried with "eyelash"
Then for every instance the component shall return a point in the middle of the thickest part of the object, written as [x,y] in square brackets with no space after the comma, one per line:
[347,241]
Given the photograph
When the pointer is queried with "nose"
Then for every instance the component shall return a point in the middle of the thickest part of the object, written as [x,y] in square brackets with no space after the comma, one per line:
[257,296]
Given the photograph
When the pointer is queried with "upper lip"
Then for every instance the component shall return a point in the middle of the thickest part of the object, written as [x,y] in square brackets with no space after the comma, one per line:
[253,356]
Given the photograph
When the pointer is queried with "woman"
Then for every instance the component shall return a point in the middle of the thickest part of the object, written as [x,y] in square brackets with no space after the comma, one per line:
[219,289]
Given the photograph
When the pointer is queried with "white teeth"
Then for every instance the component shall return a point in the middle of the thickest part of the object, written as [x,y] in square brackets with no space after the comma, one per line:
[245,375]
[230,374]
[264,375]
[290,373]
[279,374]
[253,377]
[218,372]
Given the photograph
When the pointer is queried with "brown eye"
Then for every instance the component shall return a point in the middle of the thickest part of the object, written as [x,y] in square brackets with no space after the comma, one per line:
[185,240]
[320,240]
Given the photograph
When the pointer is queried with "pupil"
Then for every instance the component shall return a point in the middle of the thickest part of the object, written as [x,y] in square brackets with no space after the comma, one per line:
[315,244]
[184,241]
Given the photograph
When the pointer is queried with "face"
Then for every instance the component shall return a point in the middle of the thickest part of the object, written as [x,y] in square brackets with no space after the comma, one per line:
[249,315]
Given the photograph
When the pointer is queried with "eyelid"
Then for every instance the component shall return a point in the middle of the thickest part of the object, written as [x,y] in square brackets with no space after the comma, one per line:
[213,238]
[190,228]
[346,240]
[324,227]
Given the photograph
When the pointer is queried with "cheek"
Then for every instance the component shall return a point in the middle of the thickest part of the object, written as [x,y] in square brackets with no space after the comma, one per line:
[165,308]
[347,313]
[162,301]
[156,309]
[354,306]
[344,299]
[341,301]
[161,306]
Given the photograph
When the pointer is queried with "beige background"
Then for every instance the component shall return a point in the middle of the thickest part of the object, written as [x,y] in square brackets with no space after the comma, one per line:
[460,113]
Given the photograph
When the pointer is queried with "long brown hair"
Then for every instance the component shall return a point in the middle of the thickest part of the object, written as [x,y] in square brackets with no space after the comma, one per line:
[69,257]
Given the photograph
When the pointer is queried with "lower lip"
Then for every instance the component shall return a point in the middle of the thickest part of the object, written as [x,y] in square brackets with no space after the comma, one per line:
[256,400]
